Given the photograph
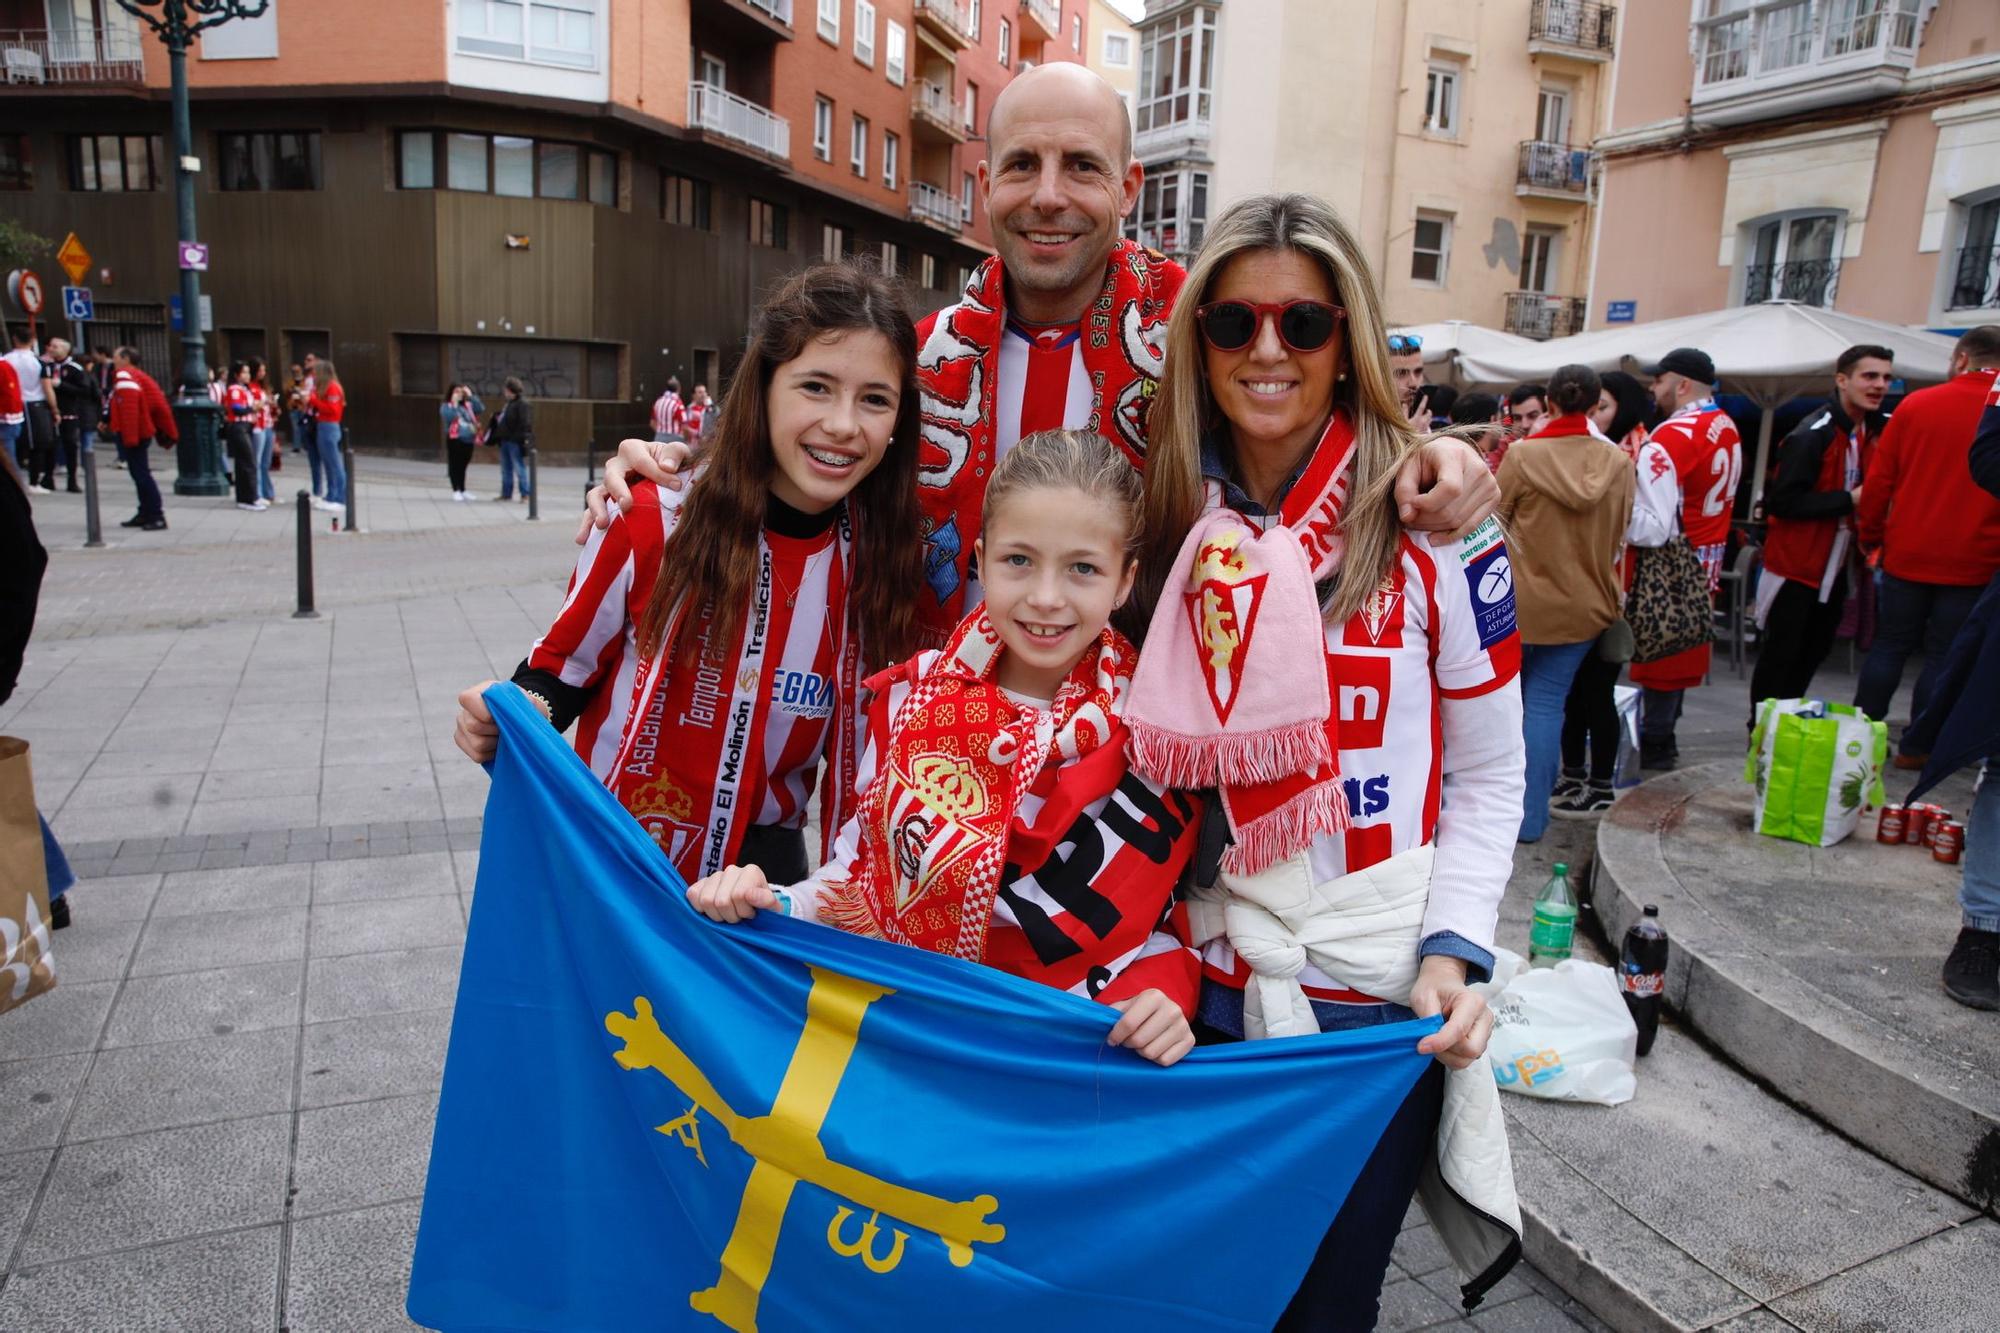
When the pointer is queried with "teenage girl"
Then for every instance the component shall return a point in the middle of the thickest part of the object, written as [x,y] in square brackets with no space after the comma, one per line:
[329,405]
[711,647]
[239,409]
[998,822]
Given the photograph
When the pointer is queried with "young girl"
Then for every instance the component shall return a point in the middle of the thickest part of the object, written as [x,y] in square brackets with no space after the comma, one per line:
[329,405]
[239,409]
[997,821]
[710,648]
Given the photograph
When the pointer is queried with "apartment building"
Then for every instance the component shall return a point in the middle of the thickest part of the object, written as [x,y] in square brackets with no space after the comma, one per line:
[589,194]
[1840,153]
[1113,49]
[1453,138]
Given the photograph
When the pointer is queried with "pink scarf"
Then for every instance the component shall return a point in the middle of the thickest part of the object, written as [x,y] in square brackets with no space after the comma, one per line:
[1200,716]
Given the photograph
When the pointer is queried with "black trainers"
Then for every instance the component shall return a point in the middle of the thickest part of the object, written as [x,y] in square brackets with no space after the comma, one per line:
[1972,972]
[1658,755]
[1569,783]
[153,525]
[136,521]
[59,913]
[1589,802]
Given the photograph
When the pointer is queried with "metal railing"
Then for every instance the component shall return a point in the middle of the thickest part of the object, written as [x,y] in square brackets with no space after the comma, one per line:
[930,204]
[1580,23]
[1047,13]
[781,10]
[1977,284]
[1807,281]
[73,56]
[954,14]
[1553,166]
[1534,315]
[718,111]
[935,101]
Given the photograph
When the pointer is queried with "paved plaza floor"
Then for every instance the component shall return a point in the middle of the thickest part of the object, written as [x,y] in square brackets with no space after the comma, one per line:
[220,1119]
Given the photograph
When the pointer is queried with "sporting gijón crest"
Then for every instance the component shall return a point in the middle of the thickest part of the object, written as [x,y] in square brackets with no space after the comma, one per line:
[1379,622]
[1222,612]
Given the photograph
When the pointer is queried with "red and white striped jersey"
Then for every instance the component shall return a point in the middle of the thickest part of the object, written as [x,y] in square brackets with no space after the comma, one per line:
[669,414]
[1424,680]
[1043,383]
[698,713]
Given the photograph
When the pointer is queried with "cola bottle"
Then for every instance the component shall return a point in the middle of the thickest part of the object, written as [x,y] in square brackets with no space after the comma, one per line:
[1642,973]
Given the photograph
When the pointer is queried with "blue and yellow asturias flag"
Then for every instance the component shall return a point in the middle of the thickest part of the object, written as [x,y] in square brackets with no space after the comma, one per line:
[650,1121]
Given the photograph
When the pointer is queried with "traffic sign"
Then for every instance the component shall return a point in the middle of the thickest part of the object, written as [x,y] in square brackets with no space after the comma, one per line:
[194,255]
[75,260]
[78,304]
[175,311]
[30,295]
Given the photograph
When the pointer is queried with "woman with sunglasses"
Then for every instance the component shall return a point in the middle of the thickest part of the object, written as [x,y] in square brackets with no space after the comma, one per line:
[1276,438]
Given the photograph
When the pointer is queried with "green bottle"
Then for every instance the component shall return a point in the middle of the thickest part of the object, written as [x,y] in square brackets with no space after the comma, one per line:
[1549,939]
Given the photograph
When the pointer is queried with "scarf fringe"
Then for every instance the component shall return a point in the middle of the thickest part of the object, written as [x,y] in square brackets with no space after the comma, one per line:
[1287,830]
[843,906]
[1176,759]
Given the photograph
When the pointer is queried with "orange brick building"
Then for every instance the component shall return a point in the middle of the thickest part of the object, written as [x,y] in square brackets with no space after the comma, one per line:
[590,194]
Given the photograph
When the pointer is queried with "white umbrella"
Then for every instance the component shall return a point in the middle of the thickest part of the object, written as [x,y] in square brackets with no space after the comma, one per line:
[1769,353]
[1448,340]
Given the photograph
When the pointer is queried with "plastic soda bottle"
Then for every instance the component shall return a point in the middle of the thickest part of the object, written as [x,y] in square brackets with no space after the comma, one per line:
[1642,973]
[1554,929]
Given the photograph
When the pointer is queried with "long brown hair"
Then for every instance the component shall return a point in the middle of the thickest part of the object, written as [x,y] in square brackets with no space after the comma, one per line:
[1184,406]
[711,558]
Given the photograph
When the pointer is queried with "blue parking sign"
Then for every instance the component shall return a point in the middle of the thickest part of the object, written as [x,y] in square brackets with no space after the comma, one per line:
[78,304]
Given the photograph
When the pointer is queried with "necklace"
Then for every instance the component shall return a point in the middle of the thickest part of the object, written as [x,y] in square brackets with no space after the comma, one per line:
[805,576]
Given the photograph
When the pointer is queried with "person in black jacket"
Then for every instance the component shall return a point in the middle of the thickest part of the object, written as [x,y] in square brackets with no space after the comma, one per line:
[513,429]
[78,409]
[23,561]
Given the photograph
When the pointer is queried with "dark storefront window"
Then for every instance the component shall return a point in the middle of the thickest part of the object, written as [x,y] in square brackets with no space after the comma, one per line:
[113,163]
[505,164]
[547,369]
[268,161]
[770,225]
[16,171]
[685,202]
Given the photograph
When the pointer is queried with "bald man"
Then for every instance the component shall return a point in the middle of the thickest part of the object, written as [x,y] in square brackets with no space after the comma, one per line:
[1064,327]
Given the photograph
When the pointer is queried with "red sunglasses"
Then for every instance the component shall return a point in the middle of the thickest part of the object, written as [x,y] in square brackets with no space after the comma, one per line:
[1303,326]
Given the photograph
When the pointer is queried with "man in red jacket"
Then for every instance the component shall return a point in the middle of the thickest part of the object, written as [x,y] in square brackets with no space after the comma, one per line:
[1814,484]
[139,416]
[1938,533]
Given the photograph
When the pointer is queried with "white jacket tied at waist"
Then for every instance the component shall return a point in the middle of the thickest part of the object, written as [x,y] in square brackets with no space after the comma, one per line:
[1363,930]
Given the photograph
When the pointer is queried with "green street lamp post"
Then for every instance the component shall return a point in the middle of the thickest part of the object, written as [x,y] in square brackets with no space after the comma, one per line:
[200,421]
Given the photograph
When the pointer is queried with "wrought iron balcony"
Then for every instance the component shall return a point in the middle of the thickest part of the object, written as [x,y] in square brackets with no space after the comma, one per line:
[1807,281]
[1552,170]
[932,110]
[1538,316]
[713,110]
[1977,284]
[950,20]
[72,58]
[1045,15]
[1579,29]
[930,204]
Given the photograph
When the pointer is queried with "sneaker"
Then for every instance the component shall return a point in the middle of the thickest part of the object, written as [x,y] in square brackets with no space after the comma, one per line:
[318,503]
[1658,755]
[261,505]
[1972,972]
[39,489]
[1590,802]
[136,521]
[59,913]
[524,499]
[468,495]
[153,525]
[253,505]
[74,489]
[1569,784]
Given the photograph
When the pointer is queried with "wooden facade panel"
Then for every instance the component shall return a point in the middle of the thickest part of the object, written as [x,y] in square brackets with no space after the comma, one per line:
[543,290]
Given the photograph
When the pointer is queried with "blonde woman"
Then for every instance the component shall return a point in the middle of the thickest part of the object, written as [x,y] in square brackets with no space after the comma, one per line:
[1277,418]
[329,406]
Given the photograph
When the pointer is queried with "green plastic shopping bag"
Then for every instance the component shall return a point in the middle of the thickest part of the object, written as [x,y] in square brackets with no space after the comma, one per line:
[1816,766]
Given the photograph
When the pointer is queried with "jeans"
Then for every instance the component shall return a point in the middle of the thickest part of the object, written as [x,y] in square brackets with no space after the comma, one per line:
[61,877]
[10,431]
[305,436]
[261,440]
[1910,617]
[1659,710]
[139,467]
[327,436]
[513,459]
[1979,882]
[1546,672]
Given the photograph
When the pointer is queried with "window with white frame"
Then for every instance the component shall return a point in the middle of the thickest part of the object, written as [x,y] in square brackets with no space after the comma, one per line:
[822,129]
[967,192]
[1722,40]
[1430,248]
[1076,33]
[972,18]
[864,32]
[1176,70]
[540,32]
[1118,50]
[892,148]
[1552,114]
[1976,266]
[971,107]
[857,146]
[833,243]
[896,52]
[1006,43]
[1539,251]
[927,270]
[892,258]
[1441,89]
[829,20]
[1792,257]
[1172,213]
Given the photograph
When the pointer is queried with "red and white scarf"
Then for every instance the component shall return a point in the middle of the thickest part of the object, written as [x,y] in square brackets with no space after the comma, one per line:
[959,758]
[1123,348]
[1232,691]
[669,798]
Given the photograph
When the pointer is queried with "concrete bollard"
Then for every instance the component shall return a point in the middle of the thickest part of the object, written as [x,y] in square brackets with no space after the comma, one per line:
[305,560]
[353,523]
[534,483]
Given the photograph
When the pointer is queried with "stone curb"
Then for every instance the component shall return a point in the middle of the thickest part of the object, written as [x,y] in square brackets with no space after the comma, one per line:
[1837,1063]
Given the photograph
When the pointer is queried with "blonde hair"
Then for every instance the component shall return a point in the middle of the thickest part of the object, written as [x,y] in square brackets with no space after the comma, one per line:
[1184,405]
[1076,460]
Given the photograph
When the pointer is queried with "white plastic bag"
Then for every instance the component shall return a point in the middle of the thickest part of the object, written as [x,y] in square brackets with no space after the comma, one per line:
[1626,697]
[1561,1032]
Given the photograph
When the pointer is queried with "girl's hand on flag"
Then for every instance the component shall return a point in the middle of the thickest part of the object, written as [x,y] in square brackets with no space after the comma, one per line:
[733,894]
[1441,989]
[476,733]
[660,464]
[1153,1026]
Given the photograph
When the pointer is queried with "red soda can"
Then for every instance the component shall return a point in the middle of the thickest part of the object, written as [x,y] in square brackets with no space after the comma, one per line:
[1916,818]
[1948,842]
[1938,816]
[1889,825]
